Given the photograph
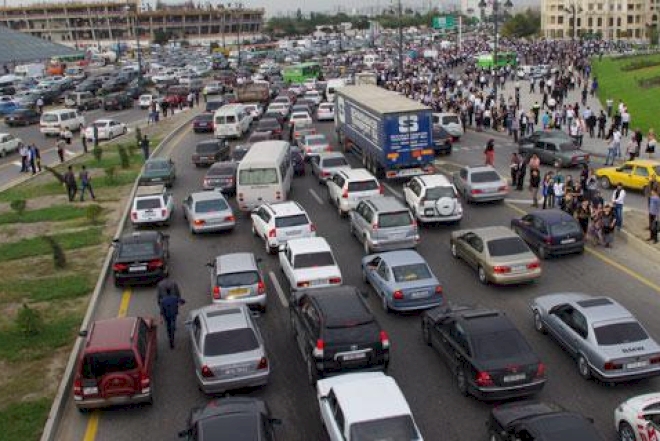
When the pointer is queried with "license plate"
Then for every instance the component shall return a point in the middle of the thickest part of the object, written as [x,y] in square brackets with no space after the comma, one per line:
[90,390]
[489,190]
[355,356]
[512,378]
[156,179]
[318,282]
[239,291]
[236,370]
[637,365]
[518,268]
[208,158]
[134,269]
[292,233]
[565,241]
[419,294]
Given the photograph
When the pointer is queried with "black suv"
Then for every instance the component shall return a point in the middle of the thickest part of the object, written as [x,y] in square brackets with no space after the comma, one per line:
[117,101]
[140,258]
[336,332]
[487,354]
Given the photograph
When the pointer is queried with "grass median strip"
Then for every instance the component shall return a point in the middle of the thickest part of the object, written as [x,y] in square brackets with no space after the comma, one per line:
[45,289]
[23,420]
[37,246]
[55,213]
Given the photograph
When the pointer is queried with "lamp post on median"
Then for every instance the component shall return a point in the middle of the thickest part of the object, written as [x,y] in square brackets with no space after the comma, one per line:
[136,32]
[573,10]
[499,9]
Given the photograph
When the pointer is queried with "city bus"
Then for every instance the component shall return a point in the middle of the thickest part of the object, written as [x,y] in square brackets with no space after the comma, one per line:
[299,73]
[503,59]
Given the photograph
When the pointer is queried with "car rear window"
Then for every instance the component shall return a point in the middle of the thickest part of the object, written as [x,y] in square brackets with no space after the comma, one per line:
[507,246]
[156,165]
[363,185]
[316,140]
[397,219]
[499,345]
[410,273]
[485,176]
[49,118]
[566,227]
[400,428]
[137,249]
[221,171]
[450,119]
[207,148]
[230,342]
[210,206]
[619,333]
[258,176]
[269,124]
[311,260]
[335,162]
[238,279]
[435,193]
[103,363]
[147,203]
[291,221]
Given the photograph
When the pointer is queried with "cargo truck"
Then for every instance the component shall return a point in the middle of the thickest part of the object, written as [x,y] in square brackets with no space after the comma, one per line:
[253,92]
[393,135]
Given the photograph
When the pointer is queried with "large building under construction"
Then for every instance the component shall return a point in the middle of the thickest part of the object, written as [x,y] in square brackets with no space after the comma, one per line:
[83,24]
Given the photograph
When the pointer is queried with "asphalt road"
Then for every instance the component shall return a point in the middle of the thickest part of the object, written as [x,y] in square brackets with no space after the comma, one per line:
[625,273]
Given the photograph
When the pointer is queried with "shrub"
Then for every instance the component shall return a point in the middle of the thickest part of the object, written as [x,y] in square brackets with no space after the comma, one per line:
[98,153]
[110,175]
[59,258]
[29,321]
[18,205]
[124,159]
[93,213]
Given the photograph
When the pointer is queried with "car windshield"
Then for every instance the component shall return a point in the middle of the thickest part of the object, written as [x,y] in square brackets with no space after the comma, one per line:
[230,342]
[210,206]
[156,165]
[291,221]
[411,273]
[238,279]
[147,203]
[400,428]
[314,140]
[485,176]
[258,176]
[564,227]
[49,118]
[619,333]
[207,147]
[100,124]
[567,147]
[507,246]
[104,363]
[435,193]
[450,119]
[312,260]
[335,162]
[398,219]
[130,250]
[499,345]
[363,185]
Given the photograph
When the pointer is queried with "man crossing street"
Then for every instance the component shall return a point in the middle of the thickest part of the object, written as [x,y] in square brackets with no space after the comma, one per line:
[169,299]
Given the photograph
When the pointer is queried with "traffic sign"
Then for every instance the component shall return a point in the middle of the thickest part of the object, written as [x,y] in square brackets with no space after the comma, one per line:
[444,22]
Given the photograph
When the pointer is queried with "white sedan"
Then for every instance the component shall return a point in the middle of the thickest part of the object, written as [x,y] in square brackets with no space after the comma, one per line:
[300,117]
[146,100]
[325,112]
[8,143]
[107,129]
[638,419]
[309,263]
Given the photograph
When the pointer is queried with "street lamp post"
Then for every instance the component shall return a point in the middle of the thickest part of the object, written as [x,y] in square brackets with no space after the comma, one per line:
[496,20]
[136,32]
[573,9]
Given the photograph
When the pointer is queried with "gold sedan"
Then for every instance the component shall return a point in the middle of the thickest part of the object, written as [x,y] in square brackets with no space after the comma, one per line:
[498,255]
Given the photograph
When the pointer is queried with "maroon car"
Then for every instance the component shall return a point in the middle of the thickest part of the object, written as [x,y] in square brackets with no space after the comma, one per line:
[203,123]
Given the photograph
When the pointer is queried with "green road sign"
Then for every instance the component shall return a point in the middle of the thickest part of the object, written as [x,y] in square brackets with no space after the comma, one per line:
[444,22]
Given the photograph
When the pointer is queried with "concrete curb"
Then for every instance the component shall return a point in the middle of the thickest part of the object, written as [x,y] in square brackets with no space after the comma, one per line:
[64,389]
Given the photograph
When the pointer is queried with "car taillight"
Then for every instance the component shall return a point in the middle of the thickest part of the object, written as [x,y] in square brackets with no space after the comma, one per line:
[413,223]
[302,284]
[312,227]
[272,232]
[278,195]
[145,383]
[263,363]
[156,263]
[384,340]
[230,219]
[654,360]
[206,372]
[318,349]
[325,174]
[503,188]
[77,387]
[438,290]
[119,267]
[261,287]
[499,269]
[134,215]
[328,148]
[199,222]
[483,379]
[163,212]
[534,265]
[344,194]
[381,189]
[547,240]
[216,293]
[476,191]
[335,280]
[374,226]
[609,366]
[398,295]
[207,182]
[540,370]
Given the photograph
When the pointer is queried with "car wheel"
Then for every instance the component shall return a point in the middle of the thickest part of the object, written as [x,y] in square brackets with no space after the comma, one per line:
[339,212]
[583,367]
[481,272]
[461,381]
[605,182]
[365,279]
[626,432]
[312,373]
[3,153]
[543,253]
[254,231]
[384,304]
[426,333]
[269,249]
[454,251]
[538,323]
[367,248]
[292,323]
[493,436]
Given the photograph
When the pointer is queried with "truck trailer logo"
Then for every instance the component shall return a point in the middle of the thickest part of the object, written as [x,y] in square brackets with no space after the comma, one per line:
[408,124]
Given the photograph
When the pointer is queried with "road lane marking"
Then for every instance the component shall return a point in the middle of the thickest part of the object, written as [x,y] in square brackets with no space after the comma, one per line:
[311,191]
[391,189]
[174,142]
[640,278]
[92,426]
[278,288]
[124,304]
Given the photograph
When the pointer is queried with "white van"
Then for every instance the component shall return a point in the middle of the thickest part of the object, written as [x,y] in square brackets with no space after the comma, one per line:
[54,121]
[451,122]
[369,60]
[231,121]
[334,84]
[264,175]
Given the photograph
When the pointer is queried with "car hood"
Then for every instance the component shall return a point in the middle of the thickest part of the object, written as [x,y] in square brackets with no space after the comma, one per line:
[507,413]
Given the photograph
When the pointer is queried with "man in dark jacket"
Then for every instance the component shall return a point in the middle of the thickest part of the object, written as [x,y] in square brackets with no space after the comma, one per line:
[71,184]
[169,299]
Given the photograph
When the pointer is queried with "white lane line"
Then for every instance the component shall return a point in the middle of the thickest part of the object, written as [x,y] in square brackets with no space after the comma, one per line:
[278,288]
[396,193]
[314,195]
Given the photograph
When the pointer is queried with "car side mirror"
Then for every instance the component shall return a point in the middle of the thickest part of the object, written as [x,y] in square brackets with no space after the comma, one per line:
[210,264]
[83,333]
[184,433]
[259,260]
[554,310]
[276,421]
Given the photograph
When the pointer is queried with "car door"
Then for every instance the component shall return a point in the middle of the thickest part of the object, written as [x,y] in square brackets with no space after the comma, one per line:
[639,177]
[561,325]
[334,186]
[333,417]
[260,220]
[196,342]
[460,180]
[286,263]
[473,249]
[455,346]
[382,278]
[315,161]
[537,232]
[411,194]
[187,208]
[524,225]
[309,330]
[623,175]
[358,219]
[549,152]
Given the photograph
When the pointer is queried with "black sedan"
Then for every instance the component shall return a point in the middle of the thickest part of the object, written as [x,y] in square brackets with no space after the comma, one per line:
[489,357]
[270,125]
[550,232]
[231,418]
[22,117]
[533,420]
[442,141]
[140,258]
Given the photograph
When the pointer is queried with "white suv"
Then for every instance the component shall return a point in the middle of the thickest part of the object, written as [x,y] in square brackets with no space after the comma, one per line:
[277,223]
[152,204]
[433,198]
[348,187]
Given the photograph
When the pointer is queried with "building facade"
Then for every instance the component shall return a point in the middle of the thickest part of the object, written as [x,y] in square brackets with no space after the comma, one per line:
[632,20]
[84,24]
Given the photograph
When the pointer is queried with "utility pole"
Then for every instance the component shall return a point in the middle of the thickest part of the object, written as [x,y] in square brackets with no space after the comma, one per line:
[400,39]
[497,37]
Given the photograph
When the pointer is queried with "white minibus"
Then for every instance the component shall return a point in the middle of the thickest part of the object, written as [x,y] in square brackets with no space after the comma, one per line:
[231,121]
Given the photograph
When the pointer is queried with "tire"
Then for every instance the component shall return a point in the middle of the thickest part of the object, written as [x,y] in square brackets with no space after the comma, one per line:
[351,228]
[538,323]
[426,333]
[626,432]
[339,211]
[542,252]
[583,367]
[454,251]
[367,248]
[312,373]
[605,182]
[365,279]
[461,382]
[481,273]
[385,305]
[254,231]
[294,332]
[269,249]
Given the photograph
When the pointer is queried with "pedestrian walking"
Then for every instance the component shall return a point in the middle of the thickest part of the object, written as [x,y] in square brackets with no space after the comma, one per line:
[37,156]
[83,140]
[40,105]
[651,143]
[23,151]
[164,105]
[144,145]
[608,221]
[654,211]
[582,214]
[67,135]
[618,199]
[609,103]
[558,192]
[95,136]
[514,167]
[535,162]
[522,171]
[489,153]
[534,184]
[70,184]
[60,149]
[169,300]
[85,183]
[32,160]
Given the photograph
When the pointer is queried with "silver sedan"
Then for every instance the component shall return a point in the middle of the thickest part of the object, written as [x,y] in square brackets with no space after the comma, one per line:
[480,184]
[208,211]
[326,164]
[604,337]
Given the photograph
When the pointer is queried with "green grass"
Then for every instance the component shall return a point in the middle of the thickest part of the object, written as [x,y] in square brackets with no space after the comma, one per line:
[45,289]
[23,421]
[55,213]
[113,161]
[615,83]
[36,246]
[32,190]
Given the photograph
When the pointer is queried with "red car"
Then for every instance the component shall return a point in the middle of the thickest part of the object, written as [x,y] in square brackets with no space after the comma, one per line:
[116,363]
[203,123]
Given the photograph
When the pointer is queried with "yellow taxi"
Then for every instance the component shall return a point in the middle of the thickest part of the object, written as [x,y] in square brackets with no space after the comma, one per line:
[634,174]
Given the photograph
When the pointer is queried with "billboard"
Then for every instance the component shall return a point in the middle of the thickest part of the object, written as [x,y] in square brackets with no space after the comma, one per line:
[444,22]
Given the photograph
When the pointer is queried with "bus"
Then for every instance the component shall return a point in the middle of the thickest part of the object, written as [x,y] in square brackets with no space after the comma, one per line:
[299,73]
[503,59]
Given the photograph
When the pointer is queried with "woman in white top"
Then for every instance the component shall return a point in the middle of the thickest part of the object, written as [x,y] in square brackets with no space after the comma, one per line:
[559,191]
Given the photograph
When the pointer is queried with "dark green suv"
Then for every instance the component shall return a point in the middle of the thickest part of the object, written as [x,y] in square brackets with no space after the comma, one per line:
[117,101]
